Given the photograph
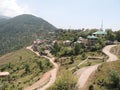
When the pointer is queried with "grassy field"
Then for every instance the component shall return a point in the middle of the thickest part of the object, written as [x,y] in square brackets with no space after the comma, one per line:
[24,67]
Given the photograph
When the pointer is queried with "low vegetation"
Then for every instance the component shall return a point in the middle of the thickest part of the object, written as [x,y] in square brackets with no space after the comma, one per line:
[116,50]
[66,81]
[107,77]
[24,67]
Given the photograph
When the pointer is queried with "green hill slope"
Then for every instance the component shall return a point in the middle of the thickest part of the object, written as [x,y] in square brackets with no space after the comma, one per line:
[21,30]
[25,68]
[107,77]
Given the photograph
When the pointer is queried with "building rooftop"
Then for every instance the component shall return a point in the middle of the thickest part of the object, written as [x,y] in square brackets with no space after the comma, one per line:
[100,32]
[92,37]
[80,38]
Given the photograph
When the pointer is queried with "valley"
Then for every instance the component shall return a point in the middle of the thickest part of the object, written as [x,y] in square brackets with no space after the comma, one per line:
[35,55]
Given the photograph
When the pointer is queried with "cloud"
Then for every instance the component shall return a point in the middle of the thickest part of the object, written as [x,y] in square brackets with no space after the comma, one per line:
[12,8]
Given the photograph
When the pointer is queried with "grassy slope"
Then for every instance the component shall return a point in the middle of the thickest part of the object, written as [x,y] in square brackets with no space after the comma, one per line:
[103,72]
[78,60]
[15,64]
[15,56]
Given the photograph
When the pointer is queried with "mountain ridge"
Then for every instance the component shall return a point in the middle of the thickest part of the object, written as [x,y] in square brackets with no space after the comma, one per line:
[21,30]
[3,18]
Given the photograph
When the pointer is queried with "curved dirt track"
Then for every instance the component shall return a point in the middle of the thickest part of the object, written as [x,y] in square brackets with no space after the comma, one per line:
[84,73]
[49,76]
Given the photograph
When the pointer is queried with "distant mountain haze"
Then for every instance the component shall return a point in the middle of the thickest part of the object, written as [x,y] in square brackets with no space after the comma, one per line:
[21,30]
[3,18]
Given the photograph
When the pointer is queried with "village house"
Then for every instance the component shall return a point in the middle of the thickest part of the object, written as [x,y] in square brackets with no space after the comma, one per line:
[91,40]
[81,40]
[36,43]
[53,42]
[100,33]
[67,43]
[94,37]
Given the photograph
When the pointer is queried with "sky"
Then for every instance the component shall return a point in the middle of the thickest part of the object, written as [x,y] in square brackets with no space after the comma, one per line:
[71,14]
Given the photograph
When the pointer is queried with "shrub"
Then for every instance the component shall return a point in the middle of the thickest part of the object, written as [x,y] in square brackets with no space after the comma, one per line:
[91,87]
[83,56]
[77,49]
[89,63]
[71,60]
[27,68]
[114,79]
[39,63]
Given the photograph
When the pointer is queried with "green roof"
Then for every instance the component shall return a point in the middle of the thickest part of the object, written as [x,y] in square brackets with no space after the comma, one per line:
[100,32]
[91,37]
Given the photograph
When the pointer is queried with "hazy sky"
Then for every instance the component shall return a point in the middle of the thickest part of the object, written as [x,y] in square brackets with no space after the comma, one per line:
[68,13]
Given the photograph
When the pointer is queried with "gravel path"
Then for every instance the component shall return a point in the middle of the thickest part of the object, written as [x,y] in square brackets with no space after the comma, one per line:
[48,78]
[84,73]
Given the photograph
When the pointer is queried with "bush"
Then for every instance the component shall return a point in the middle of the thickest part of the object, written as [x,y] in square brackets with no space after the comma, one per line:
[77,49]
[27,68]
[91,87]
[71,60]
[39,63]
[89,63]
[83,57]
[114,79]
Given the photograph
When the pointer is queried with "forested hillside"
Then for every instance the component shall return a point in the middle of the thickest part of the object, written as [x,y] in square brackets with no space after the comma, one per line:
[20,31]
[3,18]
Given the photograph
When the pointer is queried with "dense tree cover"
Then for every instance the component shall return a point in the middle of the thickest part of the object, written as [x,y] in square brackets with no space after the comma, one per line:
[22,30]
[3,18]
[73,35]
[113,35]
[75,49]
[70,34]
[61,50]
[56,48]
[117,33]
[101,42]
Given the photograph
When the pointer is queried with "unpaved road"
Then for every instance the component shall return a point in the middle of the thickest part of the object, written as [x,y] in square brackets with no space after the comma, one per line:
[50,75]
[84,73]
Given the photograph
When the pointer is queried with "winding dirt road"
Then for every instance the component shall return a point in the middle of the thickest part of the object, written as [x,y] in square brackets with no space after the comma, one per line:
[84,73]
[48,78]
